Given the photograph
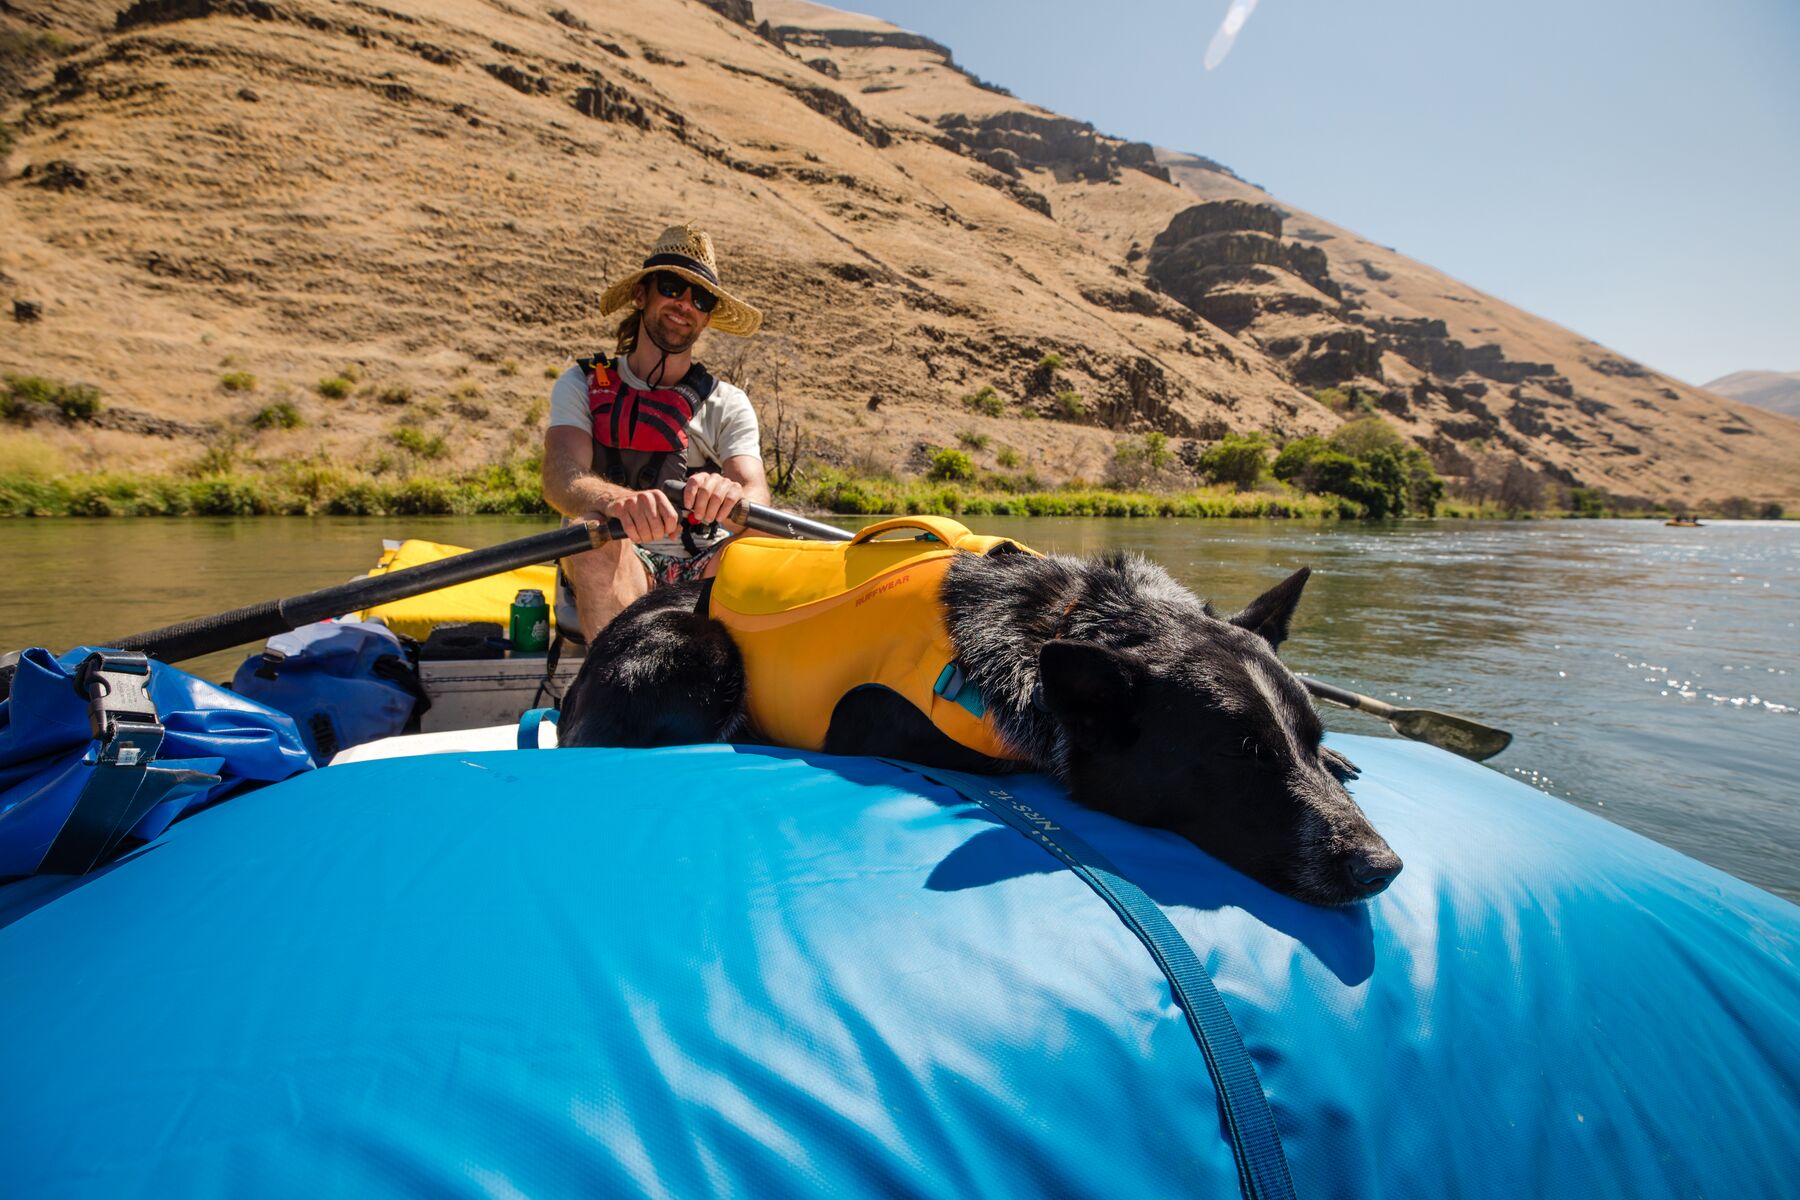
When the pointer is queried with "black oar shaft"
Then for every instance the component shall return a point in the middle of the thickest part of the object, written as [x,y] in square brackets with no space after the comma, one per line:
[220,631]
[203,635]
[783,524]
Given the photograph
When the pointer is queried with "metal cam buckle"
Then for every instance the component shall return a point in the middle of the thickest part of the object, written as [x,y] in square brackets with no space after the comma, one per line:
[116,686]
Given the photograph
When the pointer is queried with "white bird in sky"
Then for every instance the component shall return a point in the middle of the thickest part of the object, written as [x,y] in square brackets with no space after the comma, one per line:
[1226,37]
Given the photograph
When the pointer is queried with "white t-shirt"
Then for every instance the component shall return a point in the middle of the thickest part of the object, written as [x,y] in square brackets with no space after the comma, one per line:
[724,426]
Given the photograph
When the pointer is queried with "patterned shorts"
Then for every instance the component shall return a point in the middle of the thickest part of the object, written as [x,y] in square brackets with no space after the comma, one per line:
[671,568]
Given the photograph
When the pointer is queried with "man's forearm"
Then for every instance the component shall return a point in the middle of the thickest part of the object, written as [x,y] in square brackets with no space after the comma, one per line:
[747,472]
[572,491]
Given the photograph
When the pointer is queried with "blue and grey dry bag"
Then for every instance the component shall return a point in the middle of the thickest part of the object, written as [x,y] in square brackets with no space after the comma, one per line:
[344,682]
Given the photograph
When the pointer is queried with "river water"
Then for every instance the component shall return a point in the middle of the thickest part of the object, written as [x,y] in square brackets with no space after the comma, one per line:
[1649,674]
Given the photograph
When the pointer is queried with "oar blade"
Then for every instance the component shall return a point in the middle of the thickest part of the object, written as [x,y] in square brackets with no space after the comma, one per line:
[1459,735]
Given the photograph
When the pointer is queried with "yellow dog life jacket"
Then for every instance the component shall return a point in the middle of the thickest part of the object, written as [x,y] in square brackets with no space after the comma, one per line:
[815,619]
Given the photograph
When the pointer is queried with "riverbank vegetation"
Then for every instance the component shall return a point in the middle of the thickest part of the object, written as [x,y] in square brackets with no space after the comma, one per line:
[26,490]
[1364,469]
[513,489]
[303,491]
[24,396]
[834,491]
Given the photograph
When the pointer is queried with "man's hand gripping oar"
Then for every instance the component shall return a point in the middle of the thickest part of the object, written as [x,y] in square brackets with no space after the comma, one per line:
[767,520]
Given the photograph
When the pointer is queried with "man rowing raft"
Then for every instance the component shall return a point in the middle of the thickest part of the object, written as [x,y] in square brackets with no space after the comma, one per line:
[622,425]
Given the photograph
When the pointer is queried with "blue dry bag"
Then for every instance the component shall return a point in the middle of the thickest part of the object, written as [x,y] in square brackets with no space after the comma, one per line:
[96,747]
[344,682]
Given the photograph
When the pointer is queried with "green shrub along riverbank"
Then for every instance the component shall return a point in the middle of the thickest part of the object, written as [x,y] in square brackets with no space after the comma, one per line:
[308,491]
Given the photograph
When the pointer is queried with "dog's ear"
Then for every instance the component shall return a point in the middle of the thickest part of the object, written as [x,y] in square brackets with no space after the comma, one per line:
[1268,615]
[1092,692]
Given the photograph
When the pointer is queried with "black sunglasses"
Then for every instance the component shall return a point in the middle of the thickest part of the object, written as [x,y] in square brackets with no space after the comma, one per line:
[670,285]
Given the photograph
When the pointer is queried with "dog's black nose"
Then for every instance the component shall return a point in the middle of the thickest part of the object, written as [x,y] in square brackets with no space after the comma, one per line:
[1370,871]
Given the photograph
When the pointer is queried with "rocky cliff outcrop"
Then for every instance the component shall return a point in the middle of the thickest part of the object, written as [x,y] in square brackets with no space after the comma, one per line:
[1227,261]
[1209,247]
[741,11]
[857,39]
[1009,141]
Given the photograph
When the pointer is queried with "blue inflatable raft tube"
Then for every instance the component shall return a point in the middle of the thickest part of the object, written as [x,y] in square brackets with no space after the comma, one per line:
[718,971]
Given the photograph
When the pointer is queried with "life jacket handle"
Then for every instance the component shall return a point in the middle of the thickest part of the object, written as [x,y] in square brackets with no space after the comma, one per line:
[943,529]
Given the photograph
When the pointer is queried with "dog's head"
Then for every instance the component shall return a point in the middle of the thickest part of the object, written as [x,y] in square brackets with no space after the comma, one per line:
[1200,729]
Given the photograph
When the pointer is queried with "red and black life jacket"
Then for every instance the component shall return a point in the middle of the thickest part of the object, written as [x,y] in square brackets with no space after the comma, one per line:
[641,436]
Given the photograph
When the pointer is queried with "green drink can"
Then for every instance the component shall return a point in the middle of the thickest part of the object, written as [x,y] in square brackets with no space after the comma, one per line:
[530,630]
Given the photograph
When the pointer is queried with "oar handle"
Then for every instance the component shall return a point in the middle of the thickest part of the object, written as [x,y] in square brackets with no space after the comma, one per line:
[764,519]
[1338,695]
[220,631]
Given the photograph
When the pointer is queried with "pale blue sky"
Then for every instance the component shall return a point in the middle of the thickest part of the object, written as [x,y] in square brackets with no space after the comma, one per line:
[1627,168]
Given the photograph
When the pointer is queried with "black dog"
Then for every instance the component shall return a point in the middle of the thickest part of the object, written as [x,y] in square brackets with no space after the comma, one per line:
[1106,673]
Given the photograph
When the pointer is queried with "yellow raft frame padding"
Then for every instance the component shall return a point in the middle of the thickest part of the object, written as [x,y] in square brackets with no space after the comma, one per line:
[487,599]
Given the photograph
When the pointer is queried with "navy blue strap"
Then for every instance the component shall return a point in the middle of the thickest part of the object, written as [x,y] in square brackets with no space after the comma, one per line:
[1255,1142]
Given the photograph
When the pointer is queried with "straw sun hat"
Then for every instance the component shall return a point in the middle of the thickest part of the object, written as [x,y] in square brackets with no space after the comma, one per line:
[688,252]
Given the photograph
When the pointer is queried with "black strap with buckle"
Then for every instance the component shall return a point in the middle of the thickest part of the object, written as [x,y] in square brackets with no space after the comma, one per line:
[123,787]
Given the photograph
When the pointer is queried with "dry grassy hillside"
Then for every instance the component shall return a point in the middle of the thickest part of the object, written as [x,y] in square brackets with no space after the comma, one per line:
[389,222]
[1777,391]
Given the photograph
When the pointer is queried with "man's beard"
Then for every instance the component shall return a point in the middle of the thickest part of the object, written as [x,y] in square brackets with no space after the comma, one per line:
[668,340]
